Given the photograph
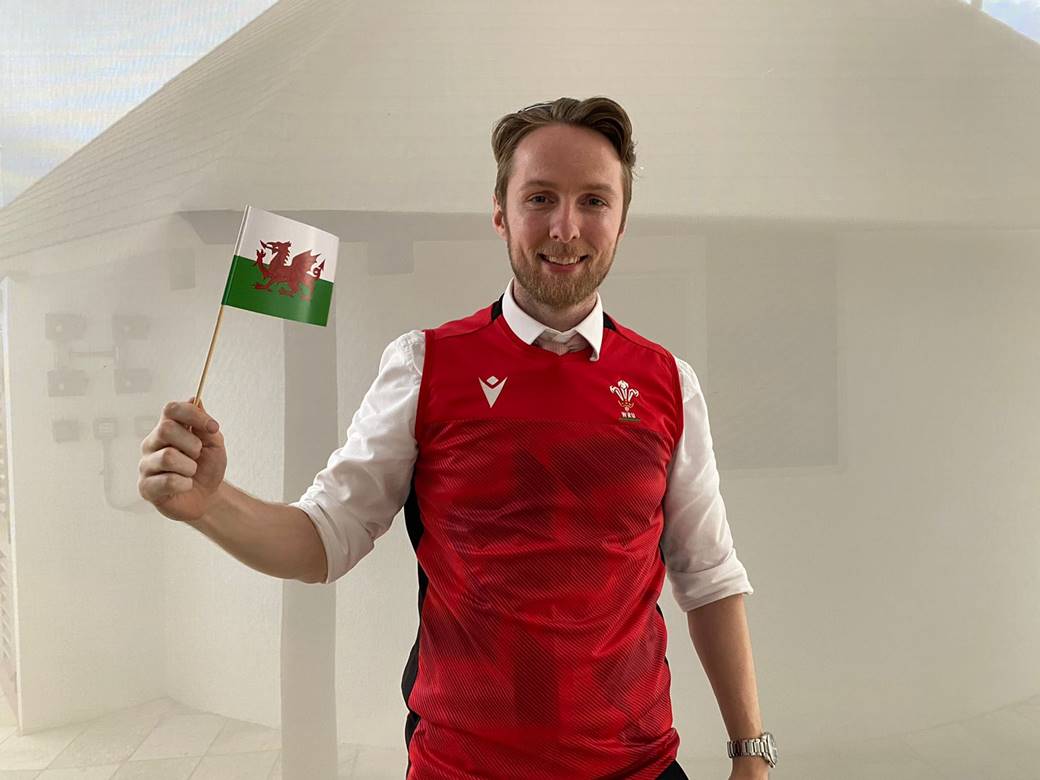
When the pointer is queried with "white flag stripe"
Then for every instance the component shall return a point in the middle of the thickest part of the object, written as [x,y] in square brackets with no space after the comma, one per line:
[262,225]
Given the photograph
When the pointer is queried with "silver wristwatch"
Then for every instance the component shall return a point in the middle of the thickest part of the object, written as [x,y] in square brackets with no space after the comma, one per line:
[762,745]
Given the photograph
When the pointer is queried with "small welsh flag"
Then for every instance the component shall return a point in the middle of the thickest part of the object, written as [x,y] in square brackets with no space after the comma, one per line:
[283,268]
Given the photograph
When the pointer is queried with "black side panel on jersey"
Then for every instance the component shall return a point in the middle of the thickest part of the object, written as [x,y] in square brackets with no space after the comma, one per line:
[660,552]
[414,524]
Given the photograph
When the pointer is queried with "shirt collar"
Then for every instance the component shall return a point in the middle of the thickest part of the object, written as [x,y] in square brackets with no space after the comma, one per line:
[528,328]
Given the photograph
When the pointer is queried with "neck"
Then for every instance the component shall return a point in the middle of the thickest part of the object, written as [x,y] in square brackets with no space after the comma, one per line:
[559,319]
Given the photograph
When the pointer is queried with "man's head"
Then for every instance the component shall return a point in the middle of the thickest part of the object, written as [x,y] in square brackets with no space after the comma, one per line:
[551,157]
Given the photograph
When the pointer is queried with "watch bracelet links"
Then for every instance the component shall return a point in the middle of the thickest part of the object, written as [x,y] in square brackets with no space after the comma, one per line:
[739,748]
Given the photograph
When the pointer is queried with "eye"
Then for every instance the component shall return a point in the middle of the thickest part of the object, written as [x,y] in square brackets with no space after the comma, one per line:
[597,201]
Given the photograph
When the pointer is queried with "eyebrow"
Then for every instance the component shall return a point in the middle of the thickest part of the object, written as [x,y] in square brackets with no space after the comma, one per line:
[591,186]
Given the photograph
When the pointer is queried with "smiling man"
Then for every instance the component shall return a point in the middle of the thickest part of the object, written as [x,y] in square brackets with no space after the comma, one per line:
[554,467]
[561,204]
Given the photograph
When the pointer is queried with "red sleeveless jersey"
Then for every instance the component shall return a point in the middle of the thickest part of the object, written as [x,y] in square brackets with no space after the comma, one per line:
[536,516]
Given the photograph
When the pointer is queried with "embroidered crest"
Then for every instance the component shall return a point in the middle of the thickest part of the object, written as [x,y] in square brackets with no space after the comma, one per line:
[627,398]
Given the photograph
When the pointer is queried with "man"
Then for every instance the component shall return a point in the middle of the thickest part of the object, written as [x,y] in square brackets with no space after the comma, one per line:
[553,466]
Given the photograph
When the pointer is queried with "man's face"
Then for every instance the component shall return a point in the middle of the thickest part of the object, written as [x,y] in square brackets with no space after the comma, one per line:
[553,207]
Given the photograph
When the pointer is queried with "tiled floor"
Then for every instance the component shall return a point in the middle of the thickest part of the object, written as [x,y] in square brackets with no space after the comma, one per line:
[164,740]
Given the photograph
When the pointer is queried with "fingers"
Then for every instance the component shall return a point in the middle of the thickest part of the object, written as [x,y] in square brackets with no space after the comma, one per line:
[184,426]
[169,460]
[158,486]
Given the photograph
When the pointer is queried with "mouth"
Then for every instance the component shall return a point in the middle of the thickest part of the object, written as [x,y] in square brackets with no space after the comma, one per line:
[545,259]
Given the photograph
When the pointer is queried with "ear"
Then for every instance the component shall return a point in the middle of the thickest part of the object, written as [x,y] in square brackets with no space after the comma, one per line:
[497,217]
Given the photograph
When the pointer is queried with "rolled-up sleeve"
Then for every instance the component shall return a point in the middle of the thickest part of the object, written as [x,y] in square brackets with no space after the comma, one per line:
[355,498]
[700,558]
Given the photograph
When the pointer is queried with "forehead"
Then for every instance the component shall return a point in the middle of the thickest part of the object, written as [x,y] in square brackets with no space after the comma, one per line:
[566,156]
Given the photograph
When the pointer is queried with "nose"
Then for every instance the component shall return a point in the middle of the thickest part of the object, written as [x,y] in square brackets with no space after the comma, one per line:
[564,226]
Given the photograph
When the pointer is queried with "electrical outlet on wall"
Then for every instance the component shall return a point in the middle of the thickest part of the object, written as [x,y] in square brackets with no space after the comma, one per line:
[129,326]
[66,382]
[105,428]
[132,380]
[64,326]
[65,430]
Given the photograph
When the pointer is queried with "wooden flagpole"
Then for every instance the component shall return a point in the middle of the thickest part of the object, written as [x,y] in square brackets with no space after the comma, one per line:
[220,313]
[209,356]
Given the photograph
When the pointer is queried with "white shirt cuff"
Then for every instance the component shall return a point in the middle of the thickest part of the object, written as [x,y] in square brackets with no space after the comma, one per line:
[693,589]
[345,543]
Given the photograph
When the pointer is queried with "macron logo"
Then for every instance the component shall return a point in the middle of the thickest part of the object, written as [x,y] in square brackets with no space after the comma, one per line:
[492,387]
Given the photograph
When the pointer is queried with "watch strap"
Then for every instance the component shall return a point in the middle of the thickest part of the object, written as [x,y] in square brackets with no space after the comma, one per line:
[751,747]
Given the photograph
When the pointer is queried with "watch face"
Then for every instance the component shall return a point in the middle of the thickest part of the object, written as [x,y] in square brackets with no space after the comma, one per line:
[771,747]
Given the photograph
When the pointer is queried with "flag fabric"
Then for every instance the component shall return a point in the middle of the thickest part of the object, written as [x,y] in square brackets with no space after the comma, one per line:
[283,268]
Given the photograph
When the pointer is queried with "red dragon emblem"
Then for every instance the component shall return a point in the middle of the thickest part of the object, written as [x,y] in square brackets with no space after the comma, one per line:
[301,271]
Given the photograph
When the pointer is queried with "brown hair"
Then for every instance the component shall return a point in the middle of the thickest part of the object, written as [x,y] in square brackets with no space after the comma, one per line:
[596,113]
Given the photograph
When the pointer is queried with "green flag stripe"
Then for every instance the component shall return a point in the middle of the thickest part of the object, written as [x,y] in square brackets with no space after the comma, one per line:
[277,300]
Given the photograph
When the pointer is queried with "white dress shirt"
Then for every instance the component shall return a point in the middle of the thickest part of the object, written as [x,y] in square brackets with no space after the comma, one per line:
[356,497]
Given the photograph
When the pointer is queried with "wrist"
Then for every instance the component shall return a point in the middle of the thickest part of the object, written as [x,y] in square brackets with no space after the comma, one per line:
[750,768]
[216,501]
[754,761]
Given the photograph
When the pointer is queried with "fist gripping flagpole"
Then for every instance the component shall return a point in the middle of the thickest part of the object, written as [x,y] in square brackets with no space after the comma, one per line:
[293,289]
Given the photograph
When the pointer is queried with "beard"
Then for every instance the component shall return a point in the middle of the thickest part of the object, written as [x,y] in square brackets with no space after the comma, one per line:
[557,291]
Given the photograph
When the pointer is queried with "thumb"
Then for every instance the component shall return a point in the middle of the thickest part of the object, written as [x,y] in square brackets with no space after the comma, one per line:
[204,429]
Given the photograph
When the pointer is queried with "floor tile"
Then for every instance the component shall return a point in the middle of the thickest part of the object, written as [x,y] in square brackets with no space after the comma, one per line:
[177,736]
[379,763]
[7,717]
[348,756]
[80,773]
[705,768]
[1030,709]
[884,757]
[37,751]
[958,753]
[236,766]
[1009,729]
[344,768]
[106,741]
[239,736]
[148,712]
[161,769]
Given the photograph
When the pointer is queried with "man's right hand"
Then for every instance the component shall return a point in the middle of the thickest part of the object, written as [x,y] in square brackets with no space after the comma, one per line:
[183,463]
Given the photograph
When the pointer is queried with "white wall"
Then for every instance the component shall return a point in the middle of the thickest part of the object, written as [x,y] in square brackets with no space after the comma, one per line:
[223,620]
[118,606]
[89,606]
